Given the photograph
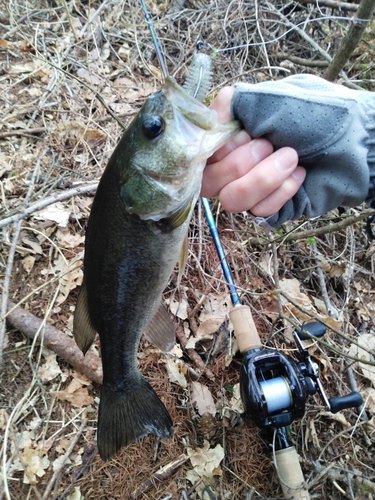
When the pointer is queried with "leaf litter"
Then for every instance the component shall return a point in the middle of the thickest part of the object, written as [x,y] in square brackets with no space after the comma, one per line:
[228,458]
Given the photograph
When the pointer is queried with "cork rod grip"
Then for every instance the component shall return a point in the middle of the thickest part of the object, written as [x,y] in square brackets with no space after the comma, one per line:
[244,328]
[291,475]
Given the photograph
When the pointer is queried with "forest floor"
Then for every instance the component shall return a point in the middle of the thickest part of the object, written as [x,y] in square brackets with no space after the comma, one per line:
[65,68]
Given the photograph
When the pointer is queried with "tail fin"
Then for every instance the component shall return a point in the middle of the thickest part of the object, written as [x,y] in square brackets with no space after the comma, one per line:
[125,417]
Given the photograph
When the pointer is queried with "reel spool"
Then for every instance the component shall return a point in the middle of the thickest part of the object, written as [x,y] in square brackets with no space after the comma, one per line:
[275,387]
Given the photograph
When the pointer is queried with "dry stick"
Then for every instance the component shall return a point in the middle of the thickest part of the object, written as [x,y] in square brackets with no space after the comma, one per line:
[350,42]
[322,283]
[23,131]
[54,339]
[332,4]
[193,355]
[161,475]
[309,233]
[35,207]
[65,457]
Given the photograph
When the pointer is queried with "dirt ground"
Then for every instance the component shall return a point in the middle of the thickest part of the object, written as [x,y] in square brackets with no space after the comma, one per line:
[68,70]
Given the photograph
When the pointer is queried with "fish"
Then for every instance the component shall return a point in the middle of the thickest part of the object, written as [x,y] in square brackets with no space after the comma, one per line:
[136,233]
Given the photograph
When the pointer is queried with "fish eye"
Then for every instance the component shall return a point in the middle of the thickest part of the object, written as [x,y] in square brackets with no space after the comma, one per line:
[153,125]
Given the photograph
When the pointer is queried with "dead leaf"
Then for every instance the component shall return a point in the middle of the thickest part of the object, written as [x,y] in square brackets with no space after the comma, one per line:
[205,460]
[32,244]
[28,263]
[68,240]
[209,326]
[55,213]
[339,417]
[366,340]
[179,308]
[369,398]
[50,369]
[236,401]
[176,372]
[202,398]
[90,77]
[4,44]
[35,465]
[76,394]
[25,67]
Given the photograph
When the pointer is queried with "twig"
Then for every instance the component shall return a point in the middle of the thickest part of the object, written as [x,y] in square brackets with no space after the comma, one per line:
[65,457]
[350,42]
[23,131]
[163,474]
[309,233]
[54,339]
[193,355]
[332,4]
[70,23]
[66,195]
[322,283]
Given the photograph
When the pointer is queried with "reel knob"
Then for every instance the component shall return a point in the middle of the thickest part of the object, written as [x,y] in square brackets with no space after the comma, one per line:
[352,400]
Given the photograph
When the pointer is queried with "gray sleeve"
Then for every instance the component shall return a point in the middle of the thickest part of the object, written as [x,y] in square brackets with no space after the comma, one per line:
[331,127]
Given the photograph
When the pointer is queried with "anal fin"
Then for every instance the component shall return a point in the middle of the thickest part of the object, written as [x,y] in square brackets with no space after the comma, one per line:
[160,330]
[83,330]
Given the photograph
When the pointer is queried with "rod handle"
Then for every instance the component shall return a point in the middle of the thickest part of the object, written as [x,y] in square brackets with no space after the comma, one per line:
[290,474]
[244,328]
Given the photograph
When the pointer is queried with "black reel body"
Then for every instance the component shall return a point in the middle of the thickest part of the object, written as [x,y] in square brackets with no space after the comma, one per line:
[275,387]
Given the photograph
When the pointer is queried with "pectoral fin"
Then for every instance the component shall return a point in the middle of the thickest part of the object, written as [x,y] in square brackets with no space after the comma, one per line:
[160,330]
[83,330]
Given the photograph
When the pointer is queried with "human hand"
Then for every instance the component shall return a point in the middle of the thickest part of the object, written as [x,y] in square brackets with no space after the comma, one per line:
[246,174]
[329,126]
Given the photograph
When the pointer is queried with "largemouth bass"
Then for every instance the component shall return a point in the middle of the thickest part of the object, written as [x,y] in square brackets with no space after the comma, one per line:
[135,234]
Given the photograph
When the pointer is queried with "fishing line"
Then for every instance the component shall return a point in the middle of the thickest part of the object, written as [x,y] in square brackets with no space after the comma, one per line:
[155,40]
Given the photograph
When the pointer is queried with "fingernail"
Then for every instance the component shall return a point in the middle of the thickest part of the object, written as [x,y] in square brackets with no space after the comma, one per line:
[299,174]
[238,140]
[285,158]
[260,149]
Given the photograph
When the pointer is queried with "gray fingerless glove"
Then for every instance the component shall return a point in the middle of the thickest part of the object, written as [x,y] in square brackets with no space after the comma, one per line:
[331,127]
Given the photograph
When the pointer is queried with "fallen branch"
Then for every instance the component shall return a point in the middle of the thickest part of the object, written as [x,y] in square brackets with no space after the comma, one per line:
[310,233]
[66,195]
[54,339]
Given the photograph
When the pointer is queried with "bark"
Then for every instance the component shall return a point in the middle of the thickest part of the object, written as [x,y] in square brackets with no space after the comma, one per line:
[57,341]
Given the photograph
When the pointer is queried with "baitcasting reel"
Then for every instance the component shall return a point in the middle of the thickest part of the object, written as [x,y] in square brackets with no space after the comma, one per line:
[275,387]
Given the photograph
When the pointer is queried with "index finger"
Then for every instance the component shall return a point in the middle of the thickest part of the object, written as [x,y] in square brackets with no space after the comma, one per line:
[221,104]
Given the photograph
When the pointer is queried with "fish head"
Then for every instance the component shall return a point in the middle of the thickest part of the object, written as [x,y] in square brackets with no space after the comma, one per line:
[168,143]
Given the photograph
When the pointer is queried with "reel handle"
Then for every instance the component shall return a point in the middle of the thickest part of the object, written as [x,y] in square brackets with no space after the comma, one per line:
[245,329]
[354,399]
